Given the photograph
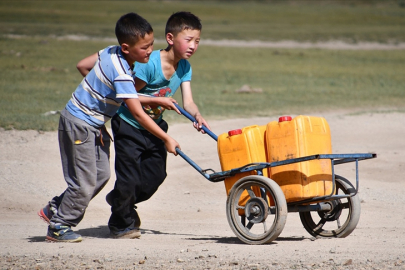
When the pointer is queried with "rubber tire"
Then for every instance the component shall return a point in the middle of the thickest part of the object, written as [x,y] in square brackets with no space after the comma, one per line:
[280,207]
[352,219]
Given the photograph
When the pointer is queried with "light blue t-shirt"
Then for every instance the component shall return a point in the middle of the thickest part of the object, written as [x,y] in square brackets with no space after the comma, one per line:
[156,85]
[100,93]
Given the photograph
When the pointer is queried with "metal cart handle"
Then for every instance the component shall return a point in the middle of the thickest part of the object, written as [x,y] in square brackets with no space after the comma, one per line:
[192,119]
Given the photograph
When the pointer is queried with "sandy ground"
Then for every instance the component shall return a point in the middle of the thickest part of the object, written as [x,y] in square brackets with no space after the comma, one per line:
[184,224]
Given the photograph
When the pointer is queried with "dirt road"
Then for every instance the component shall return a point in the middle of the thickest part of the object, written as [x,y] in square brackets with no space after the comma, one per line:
[184,225]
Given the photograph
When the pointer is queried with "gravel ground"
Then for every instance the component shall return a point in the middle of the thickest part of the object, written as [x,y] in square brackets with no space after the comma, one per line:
[184,224]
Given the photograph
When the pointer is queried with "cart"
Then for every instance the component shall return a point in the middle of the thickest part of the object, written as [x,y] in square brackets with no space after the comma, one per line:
[264,214]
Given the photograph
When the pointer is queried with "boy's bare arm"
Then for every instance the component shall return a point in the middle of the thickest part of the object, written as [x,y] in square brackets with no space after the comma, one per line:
[86,64]
[139,84]
[191,107]
[135,108]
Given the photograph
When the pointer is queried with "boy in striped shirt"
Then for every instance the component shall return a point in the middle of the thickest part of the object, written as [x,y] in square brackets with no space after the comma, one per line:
[83,139]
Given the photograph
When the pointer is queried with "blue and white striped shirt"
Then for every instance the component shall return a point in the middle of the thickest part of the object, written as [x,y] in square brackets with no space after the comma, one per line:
[100,93]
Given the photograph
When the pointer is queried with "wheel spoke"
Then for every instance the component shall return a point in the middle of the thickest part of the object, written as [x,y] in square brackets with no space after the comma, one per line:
[239,207]
[251,193]
[264,226]
[320,224]
[338,223]
[272,210]
[243,220]
[345,205]
[250,225]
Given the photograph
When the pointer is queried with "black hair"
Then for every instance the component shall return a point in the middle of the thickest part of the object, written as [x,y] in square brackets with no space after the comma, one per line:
[130,27]
[182,20]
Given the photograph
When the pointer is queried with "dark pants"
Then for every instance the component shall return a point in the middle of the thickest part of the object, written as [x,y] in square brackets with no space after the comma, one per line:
[140,167]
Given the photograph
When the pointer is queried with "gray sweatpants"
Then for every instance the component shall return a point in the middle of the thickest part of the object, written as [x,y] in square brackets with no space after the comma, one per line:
[85,164]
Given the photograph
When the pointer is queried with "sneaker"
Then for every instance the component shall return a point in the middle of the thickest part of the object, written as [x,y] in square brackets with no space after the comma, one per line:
[46,213]
[62,233]
[128,233]
[138,219]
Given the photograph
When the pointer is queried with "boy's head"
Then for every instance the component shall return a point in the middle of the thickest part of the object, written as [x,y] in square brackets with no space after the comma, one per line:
[183,31]
[135,35]
[130,28]
[182,20]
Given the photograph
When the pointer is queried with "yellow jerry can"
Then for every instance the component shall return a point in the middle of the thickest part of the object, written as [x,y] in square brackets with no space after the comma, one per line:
[238,148]
[293,138]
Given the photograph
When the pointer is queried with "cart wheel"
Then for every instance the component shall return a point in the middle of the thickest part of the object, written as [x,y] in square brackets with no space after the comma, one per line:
[329,223]
[265,210]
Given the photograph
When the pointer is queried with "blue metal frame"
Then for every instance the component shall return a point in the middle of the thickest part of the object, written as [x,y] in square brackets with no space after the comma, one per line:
[335,160]
[192,119]
[258,167]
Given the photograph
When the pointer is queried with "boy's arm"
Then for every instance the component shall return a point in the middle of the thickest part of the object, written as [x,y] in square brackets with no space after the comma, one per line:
[191,107]
[135,108]
[86,64]
[139,84]
[165,102]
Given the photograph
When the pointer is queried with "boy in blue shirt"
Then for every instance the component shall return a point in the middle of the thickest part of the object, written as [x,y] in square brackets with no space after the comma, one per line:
[83,139]
[140,162]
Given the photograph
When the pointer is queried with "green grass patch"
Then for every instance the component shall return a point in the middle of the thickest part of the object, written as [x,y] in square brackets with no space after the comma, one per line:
[38,71]
[39,75]
[352,21]
[296,81]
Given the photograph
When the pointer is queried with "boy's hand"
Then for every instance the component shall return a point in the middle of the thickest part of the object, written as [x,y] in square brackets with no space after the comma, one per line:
[200,121]
[167,103]
[171,145]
